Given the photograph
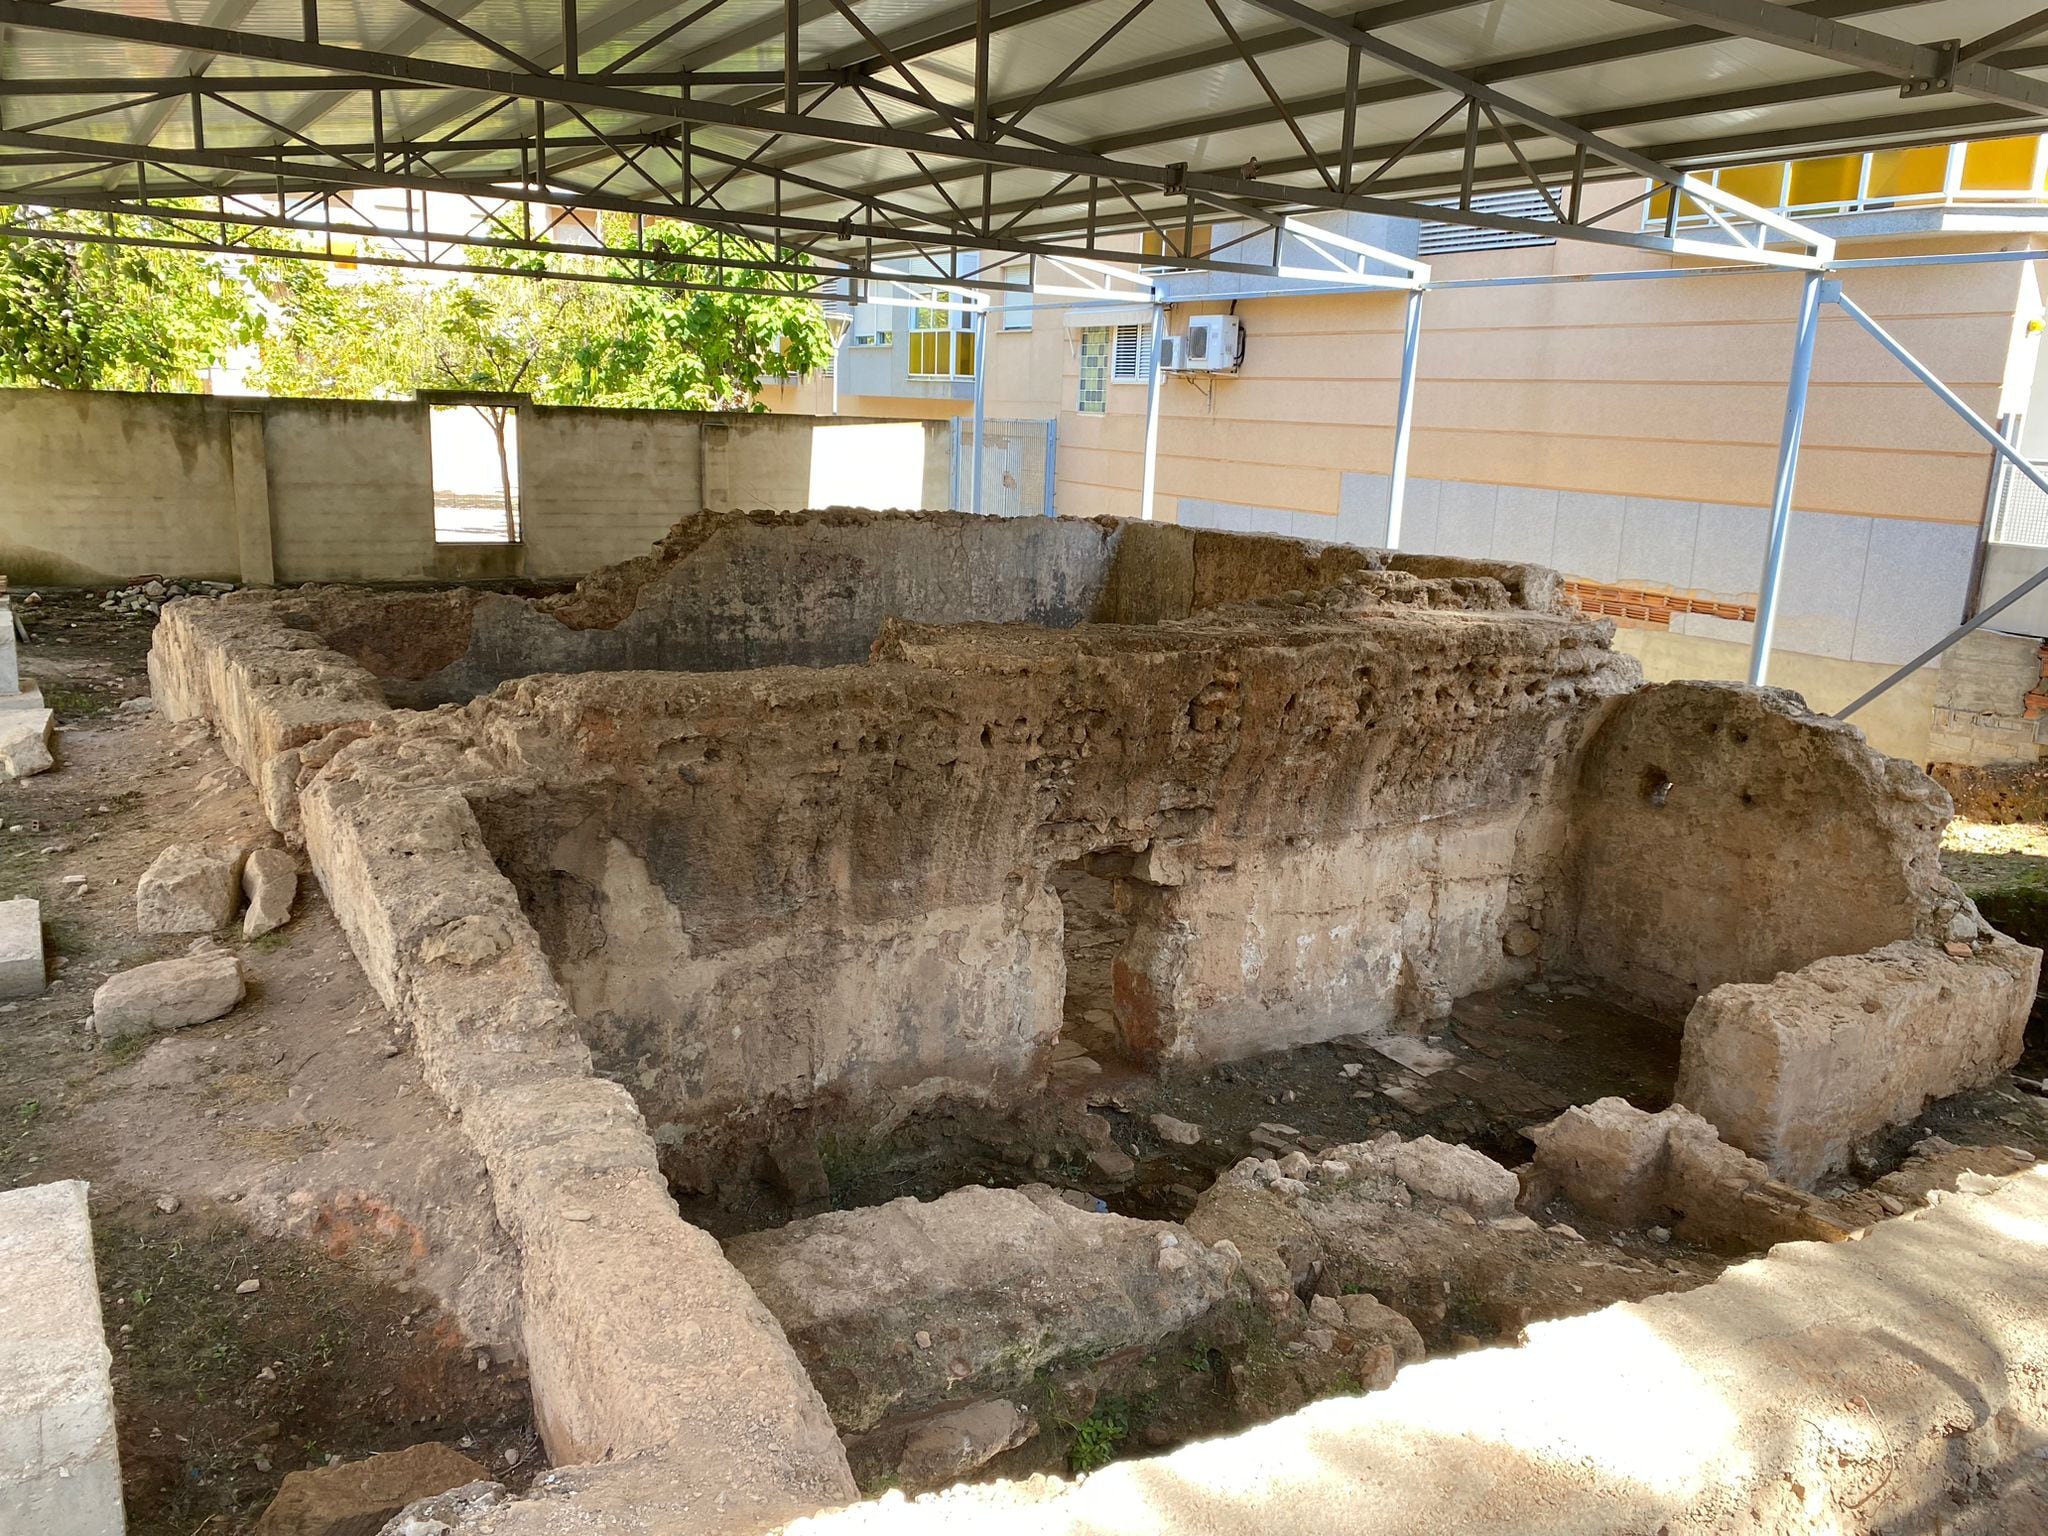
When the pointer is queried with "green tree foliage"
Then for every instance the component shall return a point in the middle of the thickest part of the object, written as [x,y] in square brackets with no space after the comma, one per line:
[503,329]
[78,316]
[564,342]
[703,351]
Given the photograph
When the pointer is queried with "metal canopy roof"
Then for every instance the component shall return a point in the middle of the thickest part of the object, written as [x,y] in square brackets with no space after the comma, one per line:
[906,132]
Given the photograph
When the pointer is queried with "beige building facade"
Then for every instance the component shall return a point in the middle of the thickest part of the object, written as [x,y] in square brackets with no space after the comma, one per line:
[1623,431]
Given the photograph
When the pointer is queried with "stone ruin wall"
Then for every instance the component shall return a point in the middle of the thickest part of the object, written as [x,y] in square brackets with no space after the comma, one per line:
[1346,789]
[1347,792]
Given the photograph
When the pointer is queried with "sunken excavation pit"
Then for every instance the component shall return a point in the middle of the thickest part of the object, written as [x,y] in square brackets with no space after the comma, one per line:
[1087,984]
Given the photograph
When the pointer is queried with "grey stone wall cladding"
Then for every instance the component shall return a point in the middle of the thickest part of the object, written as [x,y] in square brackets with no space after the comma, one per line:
[1859,588]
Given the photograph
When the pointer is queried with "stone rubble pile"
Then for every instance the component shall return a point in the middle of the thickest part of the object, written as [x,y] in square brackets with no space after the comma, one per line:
[152,592]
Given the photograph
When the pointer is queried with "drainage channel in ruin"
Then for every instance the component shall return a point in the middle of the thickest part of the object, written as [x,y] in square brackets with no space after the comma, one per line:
[1505,1060]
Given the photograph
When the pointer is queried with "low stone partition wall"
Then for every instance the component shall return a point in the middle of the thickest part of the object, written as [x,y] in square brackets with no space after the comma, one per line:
[60,1469]
[640,1338]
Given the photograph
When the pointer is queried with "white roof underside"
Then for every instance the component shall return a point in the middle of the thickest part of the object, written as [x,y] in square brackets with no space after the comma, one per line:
[1170,87]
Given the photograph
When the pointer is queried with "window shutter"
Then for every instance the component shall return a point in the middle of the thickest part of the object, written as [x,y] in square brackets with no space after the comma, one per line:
[1131,359]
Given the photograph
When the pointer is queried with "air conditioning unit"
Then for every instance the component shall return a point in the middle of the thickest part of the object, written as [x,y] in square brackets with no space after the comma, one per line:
[1212,344]
[1173,354]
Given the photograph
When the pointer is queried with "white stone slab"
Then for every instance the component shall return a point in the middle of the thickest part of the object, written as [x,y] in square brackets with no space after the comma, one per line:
[10,666]
[21,948]
[60,1469]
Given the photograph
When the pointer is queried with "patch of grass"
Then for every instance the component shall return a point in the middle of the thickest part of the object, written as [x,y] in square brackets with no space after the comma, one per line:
[1099,1437]
[265,943]
[118,1053]
[75,703]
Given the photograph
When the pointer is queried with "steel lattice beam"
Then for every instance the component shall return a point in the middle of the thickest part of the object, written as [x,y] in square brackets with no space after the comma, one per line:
[1921,68]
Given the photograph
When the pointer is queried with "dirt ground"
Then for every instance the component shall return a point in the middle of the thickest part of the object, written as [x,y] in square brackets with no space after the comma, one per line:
[290,1142]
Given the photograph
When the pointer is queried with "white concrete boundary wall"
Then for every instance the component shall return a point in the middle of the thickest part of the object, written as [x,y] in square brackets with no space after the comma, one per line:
[98,487]
[60,1470]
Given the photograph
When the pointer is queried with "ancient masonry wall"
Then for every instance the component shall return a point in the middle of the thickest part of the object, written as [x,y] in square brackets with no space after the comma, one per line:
[1350,788]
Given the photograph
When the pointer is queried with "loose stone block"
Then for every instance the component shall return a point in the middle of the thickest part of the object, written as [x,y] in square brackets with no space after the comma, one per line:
[26,742]
[270,879]
[358,1497]
[1002,1281]
[21,948]
[170,994]
[1796,1070]
[1630,1167]
[189,889]
[60,1469]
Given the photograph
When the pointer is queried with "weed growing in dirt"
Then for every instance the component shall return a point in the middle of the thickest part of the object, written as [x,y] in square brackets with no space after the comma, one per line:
[1100,1436]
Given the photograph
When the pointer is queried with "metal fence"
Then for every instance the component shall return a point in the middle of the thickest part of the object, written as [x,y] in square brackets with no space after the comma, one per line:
[1018,466]
[2020,514]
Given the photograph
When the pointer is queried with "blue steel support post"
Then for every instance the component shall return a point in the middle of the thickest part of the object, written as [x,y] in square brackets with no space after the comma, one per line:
[1404,417]
[1811,293]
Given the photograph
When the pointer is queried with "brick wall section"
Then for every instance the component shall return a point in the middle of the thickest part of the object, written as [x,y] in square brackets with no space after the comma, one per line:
[1648,607]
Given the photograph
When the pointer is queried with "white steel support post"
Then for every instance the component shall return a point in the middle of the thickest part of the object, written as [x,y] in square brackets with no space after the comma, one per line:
[1810,294]
[980,397]
[1151,472]
[2005,451]
[1404,417]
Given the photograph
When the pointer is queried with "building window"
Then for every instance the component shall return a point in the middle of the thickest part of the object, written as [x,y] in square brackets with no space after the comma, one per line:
[1017,312]
[1094,394]
[872,338]
[1163,249]
[1131,362]
[941,343]
[2012,170]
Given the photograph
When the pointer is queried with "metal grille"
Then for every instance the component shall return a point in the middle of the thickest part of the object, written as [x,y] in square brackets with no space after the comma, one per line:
[2021,515]
[1442,239]
[1017,467]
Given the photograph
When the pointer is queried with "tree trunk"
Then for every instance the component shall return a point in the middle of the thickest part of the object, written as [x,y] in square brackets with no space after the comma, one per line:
[498,420]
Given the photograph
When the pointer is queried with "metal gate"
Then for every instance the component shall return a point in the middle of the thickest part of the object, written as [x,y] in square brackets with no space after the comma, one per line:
[1018,469]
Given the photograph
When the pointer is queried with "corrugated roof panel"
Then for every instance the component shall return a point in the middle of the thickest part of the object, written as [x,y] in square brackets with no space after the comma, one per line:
[1168,88]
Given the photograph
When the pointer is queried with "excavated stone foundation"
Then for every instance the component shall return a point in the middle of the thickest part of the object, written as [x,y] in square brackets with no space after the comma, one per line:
[775,840]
